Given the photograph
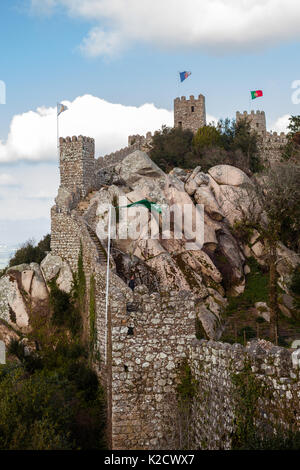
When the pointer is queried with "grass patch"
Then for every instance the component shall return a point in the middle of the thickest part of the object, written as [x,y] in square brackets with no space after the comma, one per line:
[256,290]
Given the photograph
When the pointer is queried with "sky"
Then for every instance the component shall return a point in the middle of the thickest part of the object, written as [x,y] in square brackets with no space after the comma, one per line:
[115,64]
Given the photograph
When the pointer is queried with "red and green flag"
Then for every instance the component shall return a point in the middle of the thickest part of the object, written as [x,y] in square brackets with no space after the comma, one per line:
[256,94]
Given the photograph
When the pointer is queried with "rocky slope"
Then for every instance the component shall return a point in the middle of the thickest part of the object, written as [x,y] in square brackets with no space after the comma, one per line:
[213,271]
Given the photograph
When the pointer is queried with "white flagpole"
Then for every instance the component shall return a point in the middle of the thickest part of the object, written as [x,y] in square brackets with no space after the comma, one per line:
[107,281]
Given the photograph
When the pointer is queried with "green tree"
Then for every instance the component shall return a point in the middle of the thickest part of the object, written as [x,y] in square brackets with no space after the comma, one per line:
[172,147]
[245,140]
[294,125]
[292,148]
[274,206]
[31,253]
[49,409]
[206,136]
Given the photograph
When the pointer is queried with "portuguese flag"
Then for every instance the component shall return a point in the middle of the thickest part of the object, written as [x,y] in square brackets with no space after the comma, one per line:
[256,94]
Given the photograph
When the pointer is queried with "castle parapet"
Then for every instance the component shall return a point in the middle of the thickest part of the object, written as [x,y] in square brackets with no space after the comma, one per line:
[189,113]
[274,137]
[256,119]
[77,163]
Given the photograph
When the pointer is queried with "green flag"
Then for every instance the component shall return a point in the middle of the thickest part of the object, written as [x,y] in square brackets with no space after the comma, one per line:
[150,205]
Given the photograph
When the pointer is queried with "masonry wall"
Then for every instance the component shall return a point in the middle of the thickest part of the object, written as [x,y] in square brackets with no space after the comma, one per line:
[65,237]
[190,114]
[148,337]
[115,157]
[215,414]
[257,121]
[77,164]
[145,373]
[272,146]
[145,365]
[68,233]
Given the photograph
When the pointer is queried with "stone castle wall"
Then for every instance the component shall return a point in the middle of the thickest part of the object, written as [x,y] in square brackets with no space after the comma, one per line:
[77,164]
[270,144]
[149,335]
[214,364]
[189,114]
[257,121]
[115,157]
[147,347]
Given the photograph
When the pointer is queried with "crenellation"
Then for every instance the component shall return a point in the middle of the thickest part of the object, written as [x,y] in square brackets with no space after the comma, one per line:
[257,121]
[190,114]
[77,164]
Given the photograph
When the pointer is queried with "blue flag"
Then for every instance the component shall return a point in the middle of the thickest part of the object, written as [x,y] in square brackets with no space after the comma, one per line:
[184,75]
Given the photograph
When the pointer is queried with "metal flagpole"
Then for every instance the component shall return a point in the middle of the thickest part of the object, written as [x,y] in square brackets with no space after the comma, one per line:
[107,281]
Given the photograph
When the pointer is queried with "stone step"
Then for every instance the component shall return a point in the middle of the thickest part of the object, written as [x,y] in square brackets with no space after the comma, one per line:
[100,249]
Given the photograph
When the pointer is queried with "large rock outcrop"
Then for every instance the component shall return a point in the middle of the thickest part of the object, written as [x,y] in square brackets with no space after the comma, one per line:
[22,290]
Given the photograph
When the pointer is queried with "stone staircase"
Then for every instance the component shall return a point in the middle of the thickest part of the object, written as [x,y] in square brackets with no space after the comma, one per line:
[84,204]
[102,255]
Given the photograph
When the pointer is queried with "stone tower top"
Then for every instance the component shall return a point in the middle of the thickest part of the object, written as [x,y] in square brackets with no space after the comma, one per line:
[189,114]
[77,163]
[256,120]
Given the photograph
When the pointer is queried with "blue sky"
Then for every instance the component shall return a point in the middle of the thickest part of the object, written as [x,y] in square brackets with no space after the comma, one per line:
[59,50]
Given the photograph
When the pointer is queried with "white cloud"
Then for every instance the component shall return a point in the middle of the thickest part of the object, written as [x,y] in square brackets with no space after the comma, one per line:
[32,135]
[281,124]
[7,180]
[34,195]
[221,25]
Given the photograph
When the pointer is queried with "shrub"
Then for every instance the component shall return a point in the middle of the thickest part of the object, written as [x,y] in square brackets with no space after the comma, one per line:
[172,147]
[49,410]
[29,253]
[64,310]
[206,136]
[242,231]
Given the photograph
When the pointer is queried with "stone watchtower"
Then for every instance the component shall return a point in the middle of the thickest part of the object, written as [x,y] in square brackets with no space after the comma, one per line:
[77,164]
[189,114]
[256,120]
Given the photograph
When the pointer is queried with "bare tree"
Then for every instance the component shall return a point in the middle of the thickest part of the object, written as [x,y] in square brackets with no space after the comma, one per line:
[271,205]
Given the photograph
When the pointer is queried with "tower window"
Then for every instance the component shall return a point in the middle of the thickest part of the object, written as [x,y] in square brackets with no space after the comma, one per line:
[193,109]
[180,123]
[257,124]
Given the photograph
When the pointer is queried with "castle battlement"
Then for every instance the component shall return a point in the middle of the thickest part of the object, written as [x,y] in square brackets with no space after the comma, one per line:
[192,98]
[132,139]
[275,137]
[80,138]
[190,113]
[257,120]
[77,164]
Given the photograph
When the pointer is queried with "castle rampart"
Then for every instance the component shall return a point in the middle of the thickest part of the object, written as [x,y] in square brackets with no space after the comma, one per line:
[149,343]
[77,164]
[257,121]
[189,114]
[270,144]
[149,335]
